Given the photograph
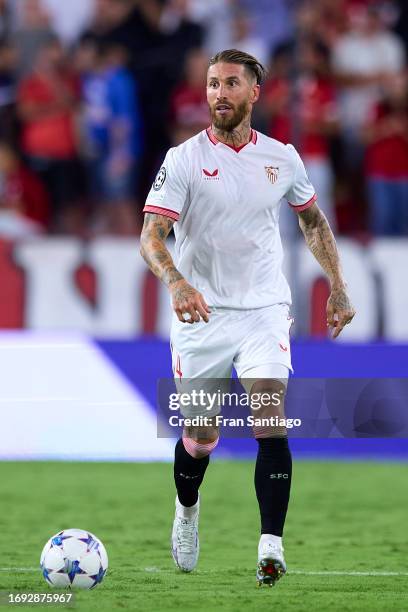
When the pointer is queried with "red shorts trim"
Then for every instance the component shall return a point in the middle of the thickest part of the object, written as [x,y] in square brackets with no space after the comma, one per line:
[158,210]
[300,207]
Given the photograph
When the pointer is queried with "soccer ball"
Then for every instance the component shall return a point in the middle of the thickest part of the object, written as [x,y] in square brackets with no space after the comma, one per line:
[74,558]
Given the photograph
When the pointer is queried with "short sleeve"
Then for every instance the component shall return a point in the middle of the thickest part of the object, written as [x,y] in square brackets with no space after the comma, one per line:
[301,193]
[168,193]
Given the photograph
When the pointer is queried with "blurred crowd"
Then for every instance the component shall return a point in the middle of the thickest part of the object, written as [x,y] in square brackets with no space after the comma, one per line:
[93,93]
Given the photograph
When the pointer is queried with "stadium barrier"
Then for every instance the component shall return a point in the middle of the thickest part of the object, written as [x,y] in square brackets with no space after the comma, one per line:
[102,288]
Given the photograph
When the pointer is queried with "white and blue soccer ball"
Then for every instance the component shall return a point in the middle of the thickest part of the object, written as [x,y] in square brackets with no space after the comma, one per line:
[74,558]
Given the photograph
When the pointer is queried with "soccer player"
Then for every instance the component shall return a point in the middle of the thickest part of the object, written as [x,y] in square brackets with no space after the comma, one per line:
[222,190]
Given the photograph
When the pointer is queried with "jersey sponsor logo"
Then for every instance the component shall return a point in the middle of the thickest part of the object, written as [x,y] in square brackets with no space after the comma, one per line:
[272,173]
[160,178]
[211,175]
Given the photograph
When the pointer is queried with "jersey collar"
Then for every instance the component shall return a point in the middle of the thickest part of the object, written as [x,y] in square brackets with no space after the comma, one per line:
[215,141]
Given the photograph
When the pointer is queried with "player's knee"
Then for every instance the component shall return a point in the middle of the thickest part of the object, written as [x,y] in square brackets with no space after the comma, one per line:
[200,448]
[268,407]
[271,386]
[262,432]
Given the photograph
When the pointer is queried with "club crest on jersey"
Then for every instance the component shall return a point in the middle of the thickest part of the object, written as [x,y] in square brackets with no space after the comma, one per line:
[160,178]
[211,175]
[272,173]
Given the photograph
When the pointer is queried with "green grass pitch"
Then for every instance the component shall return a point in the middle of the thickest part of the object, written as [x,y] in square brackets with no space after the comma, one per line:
[344,517]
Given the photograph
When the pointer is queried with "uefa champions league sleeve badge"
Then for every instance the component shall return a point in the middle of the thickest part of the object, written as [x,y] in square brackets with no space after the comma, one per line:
[160,178]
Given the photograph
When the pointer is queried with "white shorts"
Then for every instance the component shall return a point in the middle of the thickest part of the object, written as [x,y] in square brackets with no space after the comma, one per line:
[256,342]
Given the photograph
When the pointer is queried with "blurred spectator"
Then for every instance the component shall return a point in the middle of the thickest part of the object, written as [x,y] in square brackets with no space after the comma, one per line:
[33,32]
[182,35]
[272,21]
[176,36]
[276,94]
[47,101]
[5,19]
[23,198]
[276,104]
[109,14]
[188,104]
[134,26]
[112,125]
[146,44]
[215,17]
[323,19]
[363,60]
[401,25]
[8,123]
[158,37]
[137,29]
[117,19]
[387,161]
[318,122]
[304,113]
[69,18]
[245,38]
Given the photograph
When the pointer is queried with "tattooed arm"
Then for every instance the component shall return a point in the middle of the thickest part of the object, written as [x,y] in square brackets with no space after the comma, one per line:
[320,240]
[153,249]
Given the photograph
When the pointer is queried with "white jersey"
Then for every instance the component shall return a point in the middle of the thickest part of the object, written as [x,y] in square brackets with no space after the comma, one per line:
[226,203]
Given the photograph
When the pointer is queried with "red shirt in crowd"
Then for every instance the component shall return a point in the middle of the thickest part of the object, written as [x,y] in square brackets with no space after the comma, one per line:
[51,134]
[277,95]
[387,157]
[189,107]
[315,103]
[23,191]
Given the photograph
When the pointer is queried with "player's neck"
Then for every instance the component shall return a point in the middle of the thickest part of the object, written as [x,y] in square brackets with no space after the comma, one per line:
[237,137]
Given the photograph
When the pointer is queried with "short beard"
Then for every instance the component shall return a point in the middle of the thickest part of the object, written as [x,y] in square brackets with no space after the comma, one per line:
[226,124]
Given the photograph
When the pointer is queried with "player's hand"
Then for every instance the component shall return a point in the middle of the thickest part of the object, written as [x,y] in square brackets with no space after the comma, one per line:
[339,310]
[188,303]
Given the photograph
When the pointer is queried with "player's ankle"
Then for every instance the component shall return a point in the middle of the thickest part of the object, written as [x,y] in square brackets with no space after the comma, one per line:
[268,537]
[187,511]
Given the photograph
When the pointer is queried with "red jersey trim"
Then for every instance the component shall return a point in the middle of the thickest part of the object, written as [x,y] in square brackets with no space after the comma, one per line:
[301,207]
[211,136]
[215,141]
[158,210]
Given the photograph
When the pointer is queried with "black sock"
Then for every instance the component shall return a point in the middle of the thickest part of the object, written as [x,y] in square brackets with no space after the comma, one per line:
[273,474]
[188,474]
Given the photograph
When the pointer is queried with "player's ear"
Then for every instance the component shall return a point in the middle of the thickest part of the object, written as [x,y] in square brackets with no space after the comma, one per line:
[256,90]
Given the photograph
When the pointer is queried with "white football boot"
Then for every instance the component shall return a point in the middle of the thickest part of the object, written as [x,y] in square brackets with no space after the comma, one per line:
[185,545]
[271,564]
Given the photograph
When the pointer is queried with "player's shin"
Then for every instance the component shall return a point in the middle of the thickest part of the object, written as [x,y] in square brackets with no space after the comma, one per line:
[191,460]
[273,474]
[190,463]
